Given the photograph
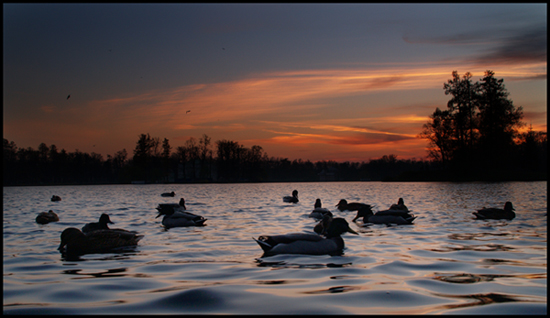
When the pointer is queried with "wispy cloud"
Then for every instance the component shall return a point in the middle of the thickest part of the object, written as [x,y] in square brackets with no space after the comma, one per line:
[502,47]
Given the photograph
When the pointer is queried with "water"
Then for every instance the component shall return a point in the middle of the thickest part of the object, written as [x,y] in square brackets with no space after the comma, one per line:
[445,263]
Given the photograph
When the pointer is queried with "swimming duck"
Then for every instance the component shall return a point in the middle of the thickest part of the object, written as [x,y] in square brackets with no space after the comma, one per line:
[176,217]
[46,217]
[168,194]
[322,227]
[399,209]
[304,243]
[73,241]
[56,198]
[101,225]
[369,217]
[496,213]
[169,206]
[343,205]
[293,198]
[318,211]
[399,206]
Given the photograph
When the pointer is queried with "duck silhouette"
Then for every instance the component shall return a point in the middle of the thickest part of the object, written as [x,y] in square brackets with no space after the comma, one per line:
[496,213]
[369,217]
[293,198]
[101,225]
[176,216]
[75,242]
[343,205]
[46,217]
[305,243]
[318,211]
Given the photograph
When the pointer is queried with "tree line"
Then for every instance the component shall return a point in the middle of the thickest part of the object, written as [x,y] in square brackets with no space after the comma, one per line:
[475,138]
[155,161]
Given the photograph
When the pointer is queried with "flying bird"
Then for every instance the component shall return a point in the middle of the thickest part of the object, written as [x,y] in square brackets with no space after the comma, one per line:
[69,96]
[187,112]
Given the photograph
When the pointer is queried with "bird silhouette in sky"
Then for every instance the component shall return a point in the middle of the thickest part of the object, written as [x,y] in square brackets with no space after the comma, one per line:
[69,96]
[187,112]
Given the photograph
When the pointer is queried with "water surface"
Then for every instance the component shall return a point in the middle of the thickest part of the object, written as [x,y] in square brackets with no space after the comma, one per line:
[446,262]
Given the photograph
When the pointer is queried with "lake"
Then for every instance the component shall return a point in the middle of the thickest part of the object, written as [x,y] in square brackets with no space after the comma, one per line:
[444,263]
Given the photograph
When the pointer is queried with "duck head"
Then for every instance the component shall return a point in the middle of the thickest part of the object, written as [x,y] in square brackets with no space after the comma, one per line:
[508,207]
[401,201]
[342,202]
[69,235]
[317,203]
[295,193]
[104,219]
[182,203]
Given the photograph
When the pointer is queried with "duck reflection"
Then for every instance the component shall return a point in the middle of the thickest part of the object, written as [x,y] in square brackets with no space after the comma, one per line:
[115,272]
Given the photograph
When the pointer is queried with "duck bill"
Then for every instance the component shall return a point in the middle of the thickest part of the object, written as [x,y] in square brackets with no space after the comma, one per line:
[158,215]
[352,231]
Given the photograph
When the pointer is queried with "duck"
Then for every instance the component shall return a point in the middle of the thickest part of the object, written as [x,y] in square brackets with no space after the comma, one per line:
[56,198]
[293,198]
[307,243]
[74,241]
[399,206]
[318,211]
[101,225]
[169,206]
[322,227]
[496,213]
[369,217]
[343,205]
[176,217]
[168,194]
[46,217]
[399,209]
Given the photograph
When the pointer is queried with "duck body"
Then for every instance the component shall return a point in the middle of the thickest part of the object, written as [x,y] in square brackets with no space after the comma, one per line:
[56,198]
[176,216]
[369,217]
[182,219]
[495,213]
[46,217]
[318,211]
[343,205]
[74,241]
[400,206]
[168,207]
[101,225]
[395,213]
[168,194]
[304,243]
[293,198]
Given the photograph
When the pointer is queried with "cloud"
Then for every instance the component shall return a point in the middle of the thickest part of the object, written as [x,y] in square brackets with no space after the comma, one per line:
[528,46]
[518,46]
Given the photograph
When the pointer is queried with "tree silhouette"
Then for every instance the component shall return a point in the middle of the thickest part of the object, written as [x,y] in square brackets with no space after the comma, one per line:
[498,123]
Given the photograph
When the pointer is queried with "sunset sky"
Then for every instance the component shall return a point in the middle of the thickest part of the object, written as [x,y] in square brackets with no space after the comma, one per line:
[344,82]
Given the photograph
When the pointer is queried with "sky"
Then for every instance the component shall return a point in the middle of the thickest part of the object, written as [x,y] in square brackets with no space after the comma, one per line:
[342,82]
